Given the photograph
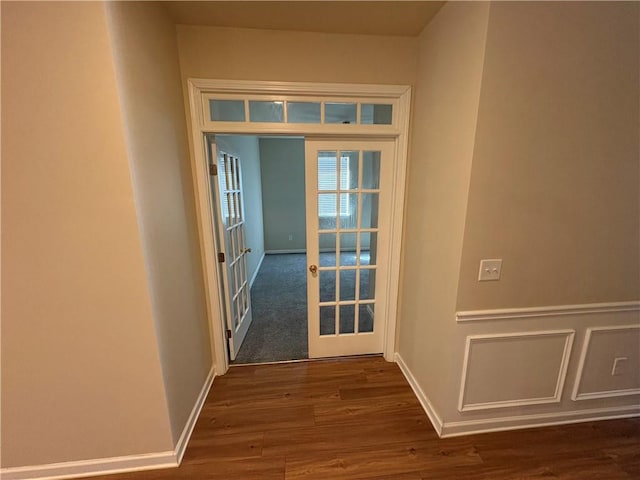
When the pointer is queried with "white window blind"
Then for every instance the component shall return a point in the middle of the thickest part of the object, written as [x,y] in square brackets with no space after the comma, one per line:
[328,180]
[222,175]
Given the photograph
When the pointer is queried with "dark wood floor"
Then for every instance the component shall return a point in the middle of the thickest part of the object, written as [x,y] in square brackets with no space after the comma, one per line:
[358,419]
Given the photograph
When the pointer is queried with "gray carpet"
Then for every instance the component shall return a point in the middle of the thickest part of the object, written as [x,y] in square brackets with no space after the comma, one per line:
[279,306]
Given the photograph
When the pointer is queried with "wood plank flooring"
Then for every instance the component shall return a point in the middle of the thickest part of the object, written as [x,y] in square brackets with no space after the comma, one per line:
[357,418]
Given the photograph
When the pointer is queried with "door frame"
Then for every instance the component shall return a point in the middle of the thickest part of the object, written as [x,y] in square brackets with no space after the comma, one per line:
[201,90]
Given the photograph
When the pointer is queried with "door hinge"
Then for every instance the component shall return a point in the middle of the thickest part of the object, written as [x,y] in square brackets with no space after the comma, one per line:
[213,169]
[221,257]
[229,334]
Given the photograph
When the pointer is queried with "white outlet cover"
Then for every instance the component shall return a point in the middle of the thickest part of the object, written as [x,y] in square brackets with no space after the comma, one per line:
[490,269]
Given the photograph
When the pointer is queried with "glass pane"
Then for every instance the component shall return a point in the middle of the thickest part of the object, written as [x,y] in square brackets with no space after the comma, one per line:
[348,248]
[235,209]
[347,318]
[232,172]
[367,283]
[226,110]
[242,240]
[236,316]
[327,171]
[328,320]
[266,111]
[365,317]
[232,280]
[368,248]
[231,246]
[369,210]
[327,211]
[347,284]
[243,271]
[371,170]
[237,170]
[376,114]
[339,113]
[236,253]
[232,209]
[229,210]
[303,112]
[327,285]
[348,210]
[349,170]
[327,244]
[228,183]
[238,242]
[233,313]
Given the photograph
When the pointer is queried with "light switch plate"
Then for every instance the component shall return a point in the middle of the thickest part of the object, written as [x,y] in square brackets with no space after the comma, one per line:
[490,269]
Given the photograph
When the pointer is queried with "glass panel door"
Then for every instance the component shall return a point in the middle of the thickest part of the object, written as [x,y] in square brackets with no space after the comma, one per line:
[227,182]
[348,214]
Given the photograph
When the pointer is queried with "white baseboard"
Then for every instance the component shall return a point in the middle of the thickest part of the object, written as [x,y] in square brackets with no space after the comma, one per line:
[85,468]
[291,250]
[304,250]
[514,422]
[255,274]
[107,466]
[183,441]
[517,422]
[422,398]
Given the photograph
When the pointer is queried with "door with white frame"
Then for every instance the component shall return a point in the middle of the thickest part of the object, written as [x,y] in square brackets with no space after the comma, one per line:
[226,185]
[348,191]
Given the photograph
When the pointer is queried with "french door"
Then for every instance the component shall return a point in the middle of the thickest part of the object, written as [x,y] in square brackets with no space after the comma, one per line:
[226,182]
[348,185]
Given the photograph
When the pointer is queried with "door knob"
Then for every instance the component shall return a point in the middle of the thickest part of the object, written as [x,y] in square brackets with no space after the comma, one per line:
[313,269]
[246,250]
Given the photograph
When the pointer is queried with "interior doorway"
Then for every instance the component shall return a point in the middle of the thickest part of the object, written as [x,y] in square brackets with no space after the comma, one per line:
[313,111]
[266,175]
[304,248]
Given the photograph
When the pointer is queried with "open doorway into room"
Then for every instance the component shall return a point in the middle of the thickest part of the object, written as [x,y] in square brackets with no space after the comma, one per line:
[265,212]
[272,188]
[357,136]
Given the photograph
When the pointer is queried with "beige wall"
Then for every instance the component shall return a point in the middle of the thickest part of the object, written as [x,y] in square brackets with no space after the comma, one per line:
[147,70]
[81,376]
[247,54]
[554,186]
[444,120]
[524,147]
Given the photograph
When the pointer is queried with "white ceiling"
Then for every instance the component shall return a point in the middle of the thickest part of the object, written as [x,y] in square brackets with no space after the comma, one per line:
[358,17]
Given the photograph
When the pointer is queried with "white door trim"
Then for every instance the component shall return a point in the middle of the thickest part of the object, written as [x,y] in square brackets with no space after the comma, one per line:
[200,89]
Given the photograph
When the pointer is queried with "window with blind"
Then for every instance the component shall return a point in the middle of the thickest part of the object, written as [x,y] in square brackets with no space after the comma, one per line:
[328,180]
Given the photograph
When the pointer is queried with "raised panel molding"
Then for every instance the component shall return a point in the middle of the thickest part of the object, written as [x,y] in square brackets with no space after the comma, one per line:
[591,333]
[464,405]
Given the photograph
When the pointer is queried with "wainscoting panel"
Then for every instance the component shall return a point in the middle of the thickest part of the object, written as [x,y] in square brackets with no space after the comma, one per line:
[609,363]
[516,362]
[515,369]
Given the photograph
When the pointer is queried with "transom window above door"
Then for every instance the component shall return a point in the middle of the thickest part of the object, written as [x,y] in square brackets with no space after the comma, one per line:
[295,111]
